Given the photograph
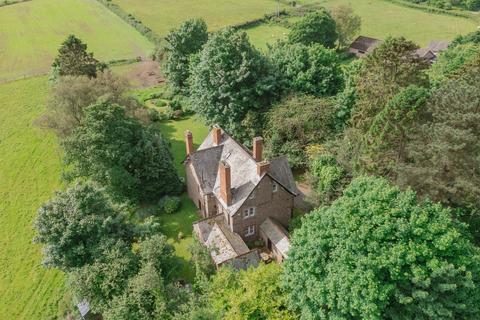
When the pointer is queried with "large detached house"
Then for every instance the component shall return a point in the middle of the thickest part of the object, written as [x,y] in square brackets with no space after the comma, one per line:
[241,198]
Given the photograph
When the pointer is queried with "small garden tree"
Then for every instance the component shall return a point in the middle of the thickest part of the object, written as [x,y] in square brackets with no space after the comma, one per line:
[74,60]
[348,24]
[114,150]
[377,253]
[184,41]
[315,27]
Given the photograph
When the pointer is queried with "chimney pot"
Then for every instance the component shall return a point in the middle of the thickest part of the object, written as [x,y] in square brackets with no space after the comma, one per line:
[225,182]
[189,142]
[217,135]
[258,148]
[262,167]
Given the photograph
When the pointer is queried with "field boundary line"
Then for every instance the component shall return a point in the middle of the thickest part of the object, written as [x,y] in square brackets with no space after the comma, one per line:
[12,2]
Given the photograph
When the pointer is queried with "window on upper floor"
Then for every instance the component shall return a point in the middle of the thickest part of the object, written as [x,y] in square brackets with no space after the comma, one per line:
[248,213]
[274,186]
[249,231]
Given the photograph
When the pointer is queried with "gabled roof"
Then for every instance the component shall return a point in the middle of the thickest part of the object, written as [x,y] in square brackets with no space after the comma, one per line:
[365,44]
[224,245]
[243,170]
[277,234]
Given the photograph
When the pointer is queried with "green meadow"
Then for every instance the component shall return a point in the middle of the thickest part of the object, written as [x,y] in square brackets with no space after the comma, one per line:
[382,18]
[31,33]
[162,15]
[29,173]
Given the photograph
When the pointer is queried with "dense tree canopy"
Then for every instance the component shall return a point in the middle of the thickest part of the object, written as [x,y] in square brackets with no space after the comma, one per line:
[117,152]
[315,27]
[229,80]
[309,69]
[377,253]
[295,123]
[182,42]
[74,60]
[77,225]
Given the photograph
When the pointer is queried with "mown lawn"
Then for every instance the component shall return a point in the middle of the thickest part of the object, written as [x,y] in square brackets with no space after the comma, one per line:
[31,33]
[381,19]
[29,173]
[264,34]
[162,15]
[182,221]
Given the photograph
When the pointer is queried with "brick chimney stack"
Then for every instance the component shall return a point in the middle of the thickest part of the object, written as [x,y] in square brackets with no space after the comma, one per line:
[225,182]
[189,142]
[217,135]
[262,167]
[258,148]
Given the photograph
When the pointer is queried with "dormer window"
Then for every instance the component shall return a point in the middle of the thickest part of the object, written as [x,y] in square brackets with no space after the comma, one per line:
[252,195]
[248,213]
[274,187]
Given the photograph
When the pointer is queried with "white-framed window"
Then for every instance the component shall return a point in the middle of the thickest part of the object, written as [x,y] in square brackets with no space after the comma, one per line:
[249,212]
[249,231]
[274,186]
[252,195]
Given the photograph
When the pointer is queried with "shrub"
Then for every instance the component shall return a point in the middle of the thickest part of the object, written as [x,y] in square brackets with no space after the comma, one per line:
[169,204]
[154,115]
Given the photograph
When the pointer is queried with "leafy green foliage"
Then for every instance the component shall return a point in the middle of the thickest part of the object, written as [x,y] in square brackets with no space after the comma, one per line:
[77,225]
[117,152]
[472,37]
[377,253]
[315,27]
[229,80]
[184,41]
[169,204]
[347,24]
[451,60]
[74,60]
[294,124]
[308,69]
[327,177]
[252,294]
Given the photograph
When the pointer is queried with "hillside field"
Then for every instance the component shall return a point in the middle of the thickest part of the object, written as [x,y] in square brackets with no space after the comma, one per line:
[31,33]
[381,19]
[29,173]
[162,15]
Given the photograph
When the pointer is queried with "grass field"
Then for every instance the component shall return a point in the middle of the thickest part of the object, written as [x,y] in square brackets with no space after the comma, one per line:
[31,32]
[29,173]
[162,15]
[264,34]
[182,221]
[381,19]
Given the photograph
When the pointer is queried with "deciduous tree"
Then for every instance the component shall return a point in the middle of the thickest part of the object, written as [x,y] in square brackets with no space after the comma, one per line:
[315,27]
[378,253]
[130,161]
[347,23]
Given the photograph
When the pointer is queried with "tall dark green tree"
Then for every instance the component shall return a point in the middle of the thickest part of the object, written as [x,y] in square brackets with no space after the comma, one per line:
[315,27]
[74,60]
[182,42]
[77,225]
[117,152]
[230,80]
[378,253]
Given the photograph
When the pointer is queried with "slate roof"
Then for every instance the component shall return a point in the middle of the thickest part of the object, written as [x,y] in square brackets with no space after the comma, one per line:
[277,234]
[365,44]
[437,46]
[224,244]
[243,170]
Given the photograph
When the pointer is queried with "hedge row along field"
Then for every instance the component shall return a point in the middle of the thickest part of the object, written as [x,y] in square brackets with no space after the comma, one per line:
[31,33]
